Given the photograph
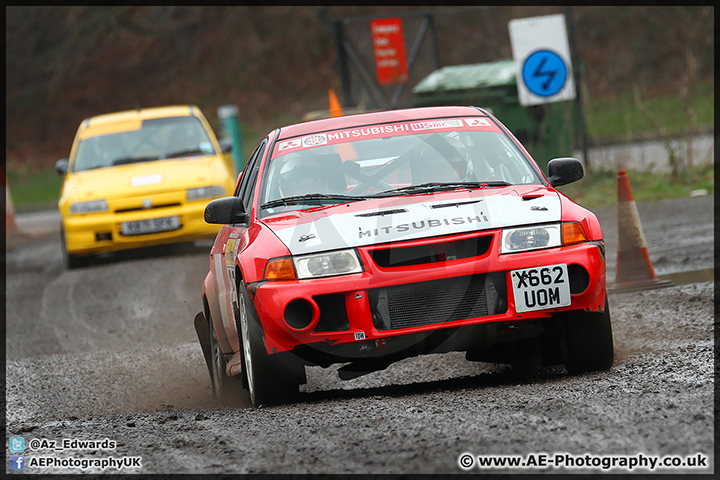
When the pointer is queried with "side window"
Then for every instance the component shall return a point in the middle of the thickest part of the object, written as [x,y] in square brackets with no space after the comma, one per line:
[254,165]
[243,178]
[246,173]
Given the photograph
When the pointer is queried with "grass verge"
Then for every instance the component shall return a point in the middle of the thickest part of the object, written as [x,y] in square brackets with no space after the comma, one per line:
[600,188]
[32,189]
[628,114]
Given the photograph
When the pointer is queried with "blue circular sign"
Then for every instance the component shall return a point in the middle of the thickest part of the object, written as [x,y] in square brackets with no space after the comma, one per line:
[544,73]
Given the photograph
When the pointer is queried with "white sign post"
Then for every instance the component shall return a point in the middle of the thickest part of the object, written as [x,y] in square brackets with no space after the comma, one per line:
[541,52]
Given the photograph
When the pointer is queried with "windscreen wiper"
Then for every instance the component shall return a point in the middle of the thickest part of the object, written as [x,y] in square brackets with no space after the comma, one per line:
[126,160]
[320,198]
[186,152]
[439,187]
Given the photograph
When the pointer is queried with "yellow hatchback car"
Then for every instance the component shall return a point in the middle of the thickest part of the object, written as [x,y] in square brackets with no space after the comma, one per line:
[140,178]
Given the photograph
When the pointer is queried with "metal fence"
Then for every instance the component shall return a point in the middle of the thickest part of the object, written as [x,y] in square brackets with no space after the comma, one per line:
[357,61]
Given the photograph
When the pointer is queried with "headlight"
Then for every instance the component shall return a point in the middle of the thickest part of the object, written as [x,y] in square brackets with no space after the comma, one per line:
[89,207]
[327,264]
[205,192]
[530,238]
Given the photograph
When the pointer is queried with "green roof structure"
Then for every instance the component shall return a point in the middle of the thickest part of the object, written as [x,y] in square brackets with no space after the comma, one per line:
[464,77]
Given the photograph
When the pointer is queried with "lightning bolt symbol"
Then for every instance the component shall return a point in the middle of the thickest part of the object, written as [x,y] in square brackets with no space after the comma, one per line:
[539,73]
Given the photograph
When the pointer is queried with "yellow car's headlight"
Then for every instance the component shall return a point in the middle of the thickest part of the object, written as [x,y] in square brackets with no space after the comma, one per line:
[205,192]
[95,206]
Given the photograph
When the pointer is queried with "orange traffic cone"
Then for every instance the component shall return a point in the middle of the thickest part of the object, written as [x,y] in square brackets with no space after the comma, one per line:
[634,269]
[335,109]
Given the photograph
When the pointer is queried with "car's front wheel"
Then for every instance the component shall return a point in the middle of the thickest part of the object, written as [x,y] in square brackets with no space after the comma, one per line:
[71,261]
[589,341]
[269,381]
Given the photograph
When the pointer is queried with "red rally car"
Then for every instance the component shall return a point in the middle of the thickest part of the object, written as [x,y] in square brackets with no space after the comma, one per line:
[370,238]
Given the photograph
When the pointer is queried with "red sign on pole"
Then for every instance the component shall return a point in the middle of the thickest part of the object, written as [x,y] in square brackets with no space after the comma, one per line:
[389,46]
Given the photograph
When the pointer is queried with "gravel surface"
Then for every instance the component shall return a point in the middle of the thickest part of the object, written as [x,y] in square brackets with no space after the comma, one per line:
[110,352]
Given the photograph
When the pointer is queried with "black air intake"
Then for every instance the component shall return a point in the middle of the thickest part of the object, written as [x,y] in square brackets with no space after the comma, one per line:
[438,301]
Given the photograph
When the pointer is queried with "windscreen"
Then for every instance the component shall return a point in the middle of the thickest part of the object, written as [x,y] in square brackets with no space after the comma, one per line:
[388,159]
[153,139]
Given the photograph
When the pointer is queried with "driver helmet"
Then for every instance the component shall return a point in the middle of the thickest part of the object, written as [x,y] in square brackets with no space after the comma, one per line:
[299,176]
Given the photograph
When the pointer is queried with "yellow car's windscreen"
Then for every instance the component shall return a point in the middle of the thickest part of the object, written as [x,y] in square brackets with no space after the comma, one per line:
[154,139]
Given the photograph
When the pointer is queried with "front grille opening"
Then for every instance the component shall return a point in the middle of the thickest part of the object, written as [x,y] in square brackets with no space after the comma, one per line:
[103,236]
[333,314]
[432,253]
[579,279]
[438,301]
[140,209]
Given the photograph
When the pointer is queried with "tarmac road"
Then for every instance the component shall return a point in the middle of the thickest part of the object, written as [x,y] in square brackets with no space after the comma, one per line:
[110,352]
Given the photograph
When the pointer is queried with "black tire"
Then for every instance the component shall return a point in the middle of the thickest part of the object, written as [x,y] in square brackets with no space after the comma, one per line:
[588,341]
[270,379]
[225,388]
[72,261]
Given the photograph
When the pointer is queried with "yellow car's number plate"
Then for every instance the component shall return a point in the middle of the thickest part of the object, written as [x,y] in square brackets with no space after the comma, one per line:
[541,288]
[152,225]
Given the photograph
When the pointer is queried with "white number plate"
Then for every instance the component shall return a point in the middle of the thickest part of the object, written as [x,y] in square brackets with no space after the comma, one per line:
[541,288]
[152,225]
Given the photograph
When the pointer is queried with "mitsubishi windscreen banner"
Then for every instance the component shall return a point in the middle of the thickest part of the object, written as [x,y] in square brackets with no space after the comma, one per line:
[389,48]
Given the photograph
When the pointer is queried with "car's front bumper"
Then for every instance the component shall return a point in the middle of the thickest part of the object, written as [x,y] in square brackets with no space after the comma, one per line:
[102,232]
[352,309]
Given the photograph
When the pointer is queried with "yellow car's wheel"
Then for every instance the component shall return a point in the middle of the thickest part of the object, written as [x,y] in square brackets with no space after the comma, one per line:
[71,261]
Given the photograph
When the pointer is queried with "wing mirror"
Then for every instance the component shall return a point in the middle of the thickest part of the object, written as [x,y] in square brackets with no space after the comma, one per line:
[562,171]
[61,166]
[226,210]
[225,145]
